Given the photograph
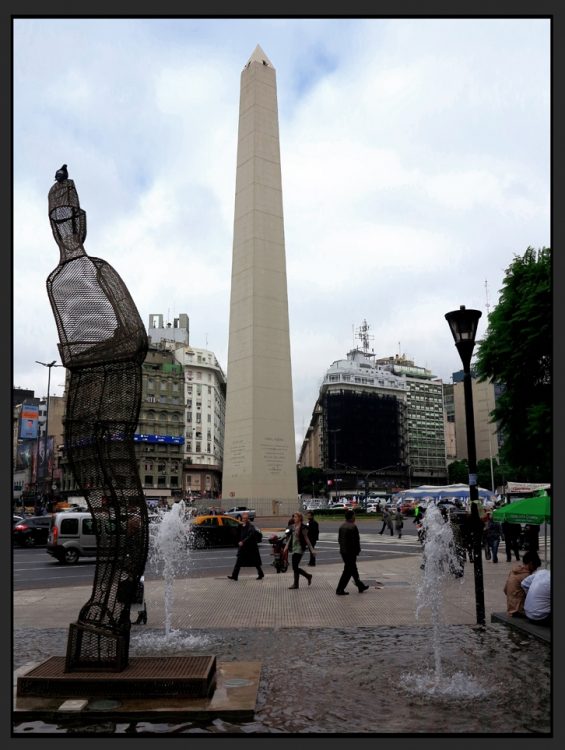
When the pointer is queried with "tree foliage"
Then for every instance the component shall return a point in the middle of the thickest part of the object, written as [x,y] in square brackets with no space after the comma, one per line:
[307,476]
[458,472]
[516,352]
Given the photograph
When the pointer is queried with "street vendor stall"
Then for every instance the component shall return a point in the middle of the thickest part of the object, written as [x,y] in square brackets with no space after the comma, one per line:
[530,510]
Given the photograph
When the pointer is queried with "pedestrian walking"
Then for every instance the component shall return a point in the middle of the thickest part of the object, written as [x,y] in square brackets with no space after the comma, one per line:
[313,534]
[493,534]
[511,533]
[531,537]
[349,549]
[248,555]
[386,518]
[399,522]
[298,542]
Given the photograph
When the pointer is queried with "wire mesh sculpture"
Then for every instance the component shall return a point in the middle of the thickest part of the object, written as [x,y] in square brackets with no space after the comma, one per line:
[103,344]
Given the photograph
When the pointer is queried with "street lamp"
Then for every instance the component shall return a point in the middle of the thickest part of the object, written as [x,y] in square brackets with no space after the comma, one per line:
[463,324]
[50,365]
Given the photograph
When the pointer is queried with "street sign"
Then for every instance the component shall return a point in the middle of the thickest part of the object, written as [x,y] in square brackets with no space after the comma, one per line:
[232,494]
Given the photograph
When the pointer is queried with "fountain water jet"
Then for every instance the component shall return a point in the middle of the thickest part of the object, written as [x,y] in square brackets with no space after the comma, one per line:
[440,560]
[169,544]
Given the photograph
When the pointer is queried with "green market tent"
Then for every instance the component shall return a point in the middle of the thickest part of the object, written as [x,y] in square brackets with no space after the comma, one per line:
[529,510]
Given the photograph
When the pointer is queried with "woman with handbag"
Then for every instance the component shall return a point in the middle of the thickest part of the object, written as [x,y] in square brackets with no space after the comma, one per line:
[298,542]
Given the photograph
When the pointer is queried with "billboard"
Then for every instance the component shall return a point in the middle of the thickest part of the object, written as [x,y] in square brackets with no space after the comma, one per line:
[44,458]
[28,421]
[24,454]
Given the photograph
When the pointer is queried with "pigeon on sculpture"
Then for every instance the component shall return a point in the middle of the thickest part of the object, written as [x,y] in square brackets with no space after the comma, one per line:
[61,174]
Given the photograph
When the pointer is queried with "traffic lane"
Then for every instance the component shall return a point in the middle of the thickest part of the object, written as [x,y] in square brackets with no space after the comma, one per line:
[34,568]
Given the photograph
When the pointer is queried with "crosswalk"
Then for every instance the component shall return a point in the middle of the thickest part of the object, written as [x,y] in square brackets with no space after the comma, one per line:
[409,541]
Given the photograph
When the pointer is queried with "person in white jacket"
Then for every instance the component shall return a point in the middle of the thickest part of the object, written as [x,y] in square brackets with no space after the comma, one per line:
[538,597]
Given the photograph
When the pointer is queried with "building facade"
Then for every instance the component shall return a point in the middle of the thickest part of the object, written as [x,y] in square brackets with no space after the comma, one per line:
[425,415]
[488,437]
[359,425]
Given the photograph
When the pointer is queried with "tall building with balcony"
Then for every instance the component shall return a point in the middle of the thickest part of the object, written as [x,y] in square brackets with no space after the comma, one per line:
[359,425]
[426,430]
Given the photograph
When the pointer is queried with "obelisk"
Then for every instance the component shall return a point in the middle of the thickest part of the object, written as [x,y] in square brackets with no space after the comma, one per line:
[259,449]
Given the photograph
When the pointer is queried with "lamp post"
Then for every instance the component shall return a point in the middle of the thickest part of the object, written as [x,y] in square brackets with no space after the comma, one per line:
[463,324]
[50,365]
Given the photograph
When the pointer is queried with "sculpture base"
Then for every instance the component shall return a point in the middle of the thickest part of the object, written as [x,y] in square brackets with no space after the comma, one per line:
[108,652]
[235,697]
[147,676]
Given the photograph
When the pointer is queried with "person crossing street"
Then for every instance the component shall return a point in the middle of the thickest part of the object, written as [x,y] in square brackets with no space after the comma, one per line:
[349,548]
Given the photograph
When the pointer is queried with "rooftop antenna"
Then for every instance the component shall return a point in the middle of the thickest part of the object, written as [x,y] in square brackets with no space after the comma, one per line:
[487,295]
[168,315]
[364,336]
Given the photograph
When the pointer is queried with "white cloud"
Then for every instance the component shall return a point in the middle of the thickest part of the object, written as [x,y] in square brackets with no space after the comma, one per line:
[415,164]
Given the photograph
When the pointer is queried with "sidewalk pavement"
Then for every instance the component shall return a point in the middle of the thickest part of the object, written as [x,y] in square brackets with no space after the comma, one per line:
[248,603]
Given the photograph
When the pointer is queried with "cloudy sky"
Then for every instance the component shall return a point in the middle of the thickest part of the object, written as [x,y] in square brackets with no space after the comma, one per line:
[415,164]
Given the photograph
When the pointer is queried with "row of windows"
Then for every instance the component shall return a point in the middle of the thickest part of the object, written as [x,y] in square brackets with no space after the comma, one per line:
[162,399]
[163,416]
[151,384]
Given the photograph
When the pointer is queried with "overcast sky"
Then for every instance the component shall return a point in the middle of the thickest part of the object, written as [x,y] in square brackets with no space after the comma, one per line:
[415,163]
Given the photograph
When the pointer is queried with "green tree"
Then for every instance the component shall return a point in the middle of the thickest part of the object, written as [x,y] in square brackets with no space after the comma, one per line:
[308,476]
[516,352]
[458,472]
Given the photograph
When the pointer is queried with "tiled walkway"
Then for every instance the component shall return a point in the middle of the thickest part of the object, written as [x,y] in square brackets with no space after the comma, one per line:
[221,603]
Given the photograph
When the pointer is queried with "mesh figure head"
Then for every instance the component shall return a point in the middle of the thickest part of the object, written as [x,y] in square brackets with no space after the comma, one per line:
[68,219]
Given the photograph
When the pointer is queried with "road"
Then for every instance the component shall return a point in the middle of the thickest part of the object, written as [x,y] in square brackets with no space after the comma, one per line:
[34,568]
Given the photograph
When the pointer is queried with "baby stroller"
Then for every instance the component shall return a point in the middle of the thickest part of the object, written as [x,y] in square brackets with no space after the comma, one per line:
[280,562]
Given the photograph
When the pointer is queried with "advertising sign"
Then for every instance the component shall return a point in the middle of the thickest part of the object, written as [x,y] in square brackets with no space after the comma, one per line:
[45,458]
[24,454]
[28,421]
[158,439]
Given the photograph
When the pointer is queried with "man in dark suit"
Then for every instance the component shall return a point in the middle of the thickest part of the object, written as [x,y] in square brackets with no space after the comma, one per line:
[511,532]
[248,555]
[313,534]
[349,548]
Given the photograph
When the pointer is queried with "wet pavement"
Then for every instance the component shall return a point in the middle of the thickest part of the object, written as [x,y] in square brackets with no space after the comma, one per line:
[354,680]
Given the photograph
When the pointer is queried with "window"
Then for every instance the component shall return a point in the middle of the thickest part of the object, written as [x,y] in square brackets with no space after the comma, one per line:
[189,373]
[189,389]
[199,358]
[212,521]
[175,399]
[209,389]
[150,415]
[150,383]
[161,481]
[189,416]
[150,399]
[207,478]
[88,526]
[188,480]
[188,446]
[199,376]
[162,399]
[198,390]
[199,404]
[148,480]
[197,447]
[189,402]
[163,416]
[208,448]
[163,385]
[198,418]
[174,481]
[175,386]
[69,526]
[175,417]
[209,417]
[149,466]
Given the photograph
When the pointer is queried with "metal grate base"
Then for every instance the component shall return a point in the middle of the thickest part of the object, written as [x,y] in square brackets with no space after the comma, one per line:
[148,676]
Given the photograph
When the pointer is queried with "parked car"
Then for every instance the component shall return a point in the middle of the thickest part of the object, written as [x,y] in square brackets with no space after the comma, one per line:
[341,506]
[216,531]
[16,519]
[238,512]
[29,532]
[71,536]
[373,507]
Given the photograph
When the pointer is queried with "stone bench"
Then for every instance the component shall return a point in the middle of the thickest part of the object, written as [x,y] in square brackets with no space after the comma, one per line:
[541,632]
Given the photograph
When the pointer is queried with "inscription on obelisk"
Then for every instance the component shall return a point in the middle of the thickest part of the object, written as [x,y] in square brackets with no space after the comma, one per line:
[259,452]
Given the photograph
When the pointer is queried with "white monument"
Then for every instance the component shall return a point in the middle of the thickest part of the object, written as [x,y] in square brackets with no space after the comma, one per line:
[259,449]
